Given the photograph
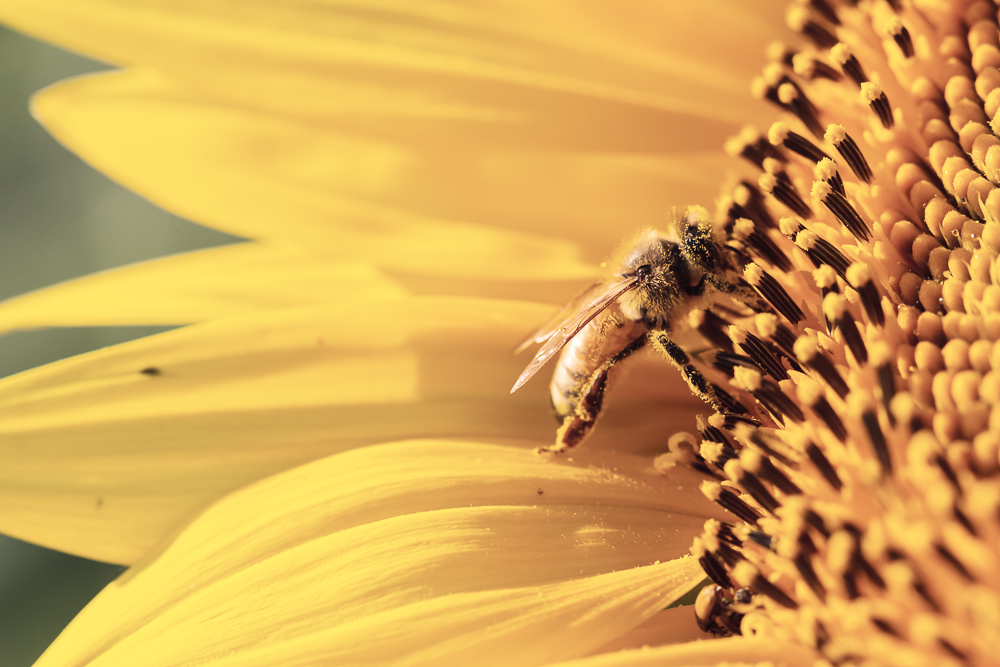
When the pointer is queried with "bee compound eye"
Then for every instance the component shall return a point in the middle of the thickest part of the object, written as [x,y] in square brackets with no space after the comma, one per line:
[644,271]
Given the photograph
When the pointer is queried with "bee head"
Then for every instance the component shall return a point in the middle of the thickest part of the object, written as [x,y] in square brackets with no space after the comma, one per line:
[669,267]
[660,272]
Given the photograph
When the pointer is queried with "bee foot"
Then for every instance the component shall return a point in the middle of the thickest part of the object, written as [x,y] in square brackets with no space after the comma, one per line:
[571,433]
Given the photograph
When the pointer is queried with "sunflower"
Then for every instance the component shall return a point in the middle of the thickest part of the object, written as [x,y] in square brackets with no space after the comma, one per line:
[324,467]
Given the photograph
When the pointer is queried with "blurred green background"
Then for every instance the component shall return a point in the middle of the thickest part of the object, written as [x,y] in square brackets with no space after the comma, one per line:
[59,219]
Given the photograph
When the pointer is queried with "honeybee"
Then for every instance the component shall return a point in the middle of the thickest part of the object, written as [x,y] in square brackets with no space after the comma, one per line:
[660,278]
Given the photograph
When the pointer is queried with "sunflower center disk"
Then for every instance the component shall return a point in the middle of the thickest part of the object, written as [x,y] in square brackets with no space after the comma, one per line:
[864,479]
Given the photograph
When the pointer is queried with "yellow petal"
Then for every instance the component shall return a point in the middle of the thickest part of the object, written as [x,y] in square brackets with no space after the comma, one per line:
[734,651]
[436,126]
[378,352]
[101,459]
[286,56]
[92,445]
[670,626]
[415,553]
[445,199]
[197,286]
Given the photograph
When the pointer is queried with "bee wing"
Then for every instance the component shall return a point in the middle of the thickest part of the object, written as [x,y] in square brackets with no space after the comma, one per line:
[557,321]
[557,340]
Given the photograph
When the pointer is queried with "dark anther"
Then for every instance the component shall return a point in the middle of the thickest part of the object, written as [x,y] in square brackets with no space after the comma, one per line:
[812,69]
[701,466]
[713,434]
[755,208]
[728,555]
[732,407]
[790,97]
[828,254]
[887,384]
[851,153]
[757,151]
[727,362]
[777,402]
[959,567]
[725,534]
[852,68]
[826,370]
[713,328]
[872,303]
[151,371]
[878,440]
[822,635]
[824,9]
[785,340]
[731,502]
[824,466]
[765,587]
[951,648]
[873,575]
[715,571]
[825,411]
[776,295]
[948,471]
[853,338]
[798,144]
[837,183]
[921,589]
[845,213]
[818,34]
[902,39]
[815,521]
[833,288]
[804,565]
[880,105]
[763,356]
[885,626]
[806,543]
[758,491]
[761,442]
[769,473]
[782,189]
[767,249]
[964,520]
[851,586]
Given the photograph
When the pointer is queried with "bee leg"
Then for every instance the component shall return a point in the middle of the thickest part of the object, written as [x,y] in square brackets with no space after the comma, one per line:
[677,357]
[589,402]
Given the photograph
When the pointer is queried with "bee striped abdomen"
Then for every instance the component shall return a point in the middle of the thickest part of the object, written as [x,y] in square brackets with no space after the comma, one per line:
[585,368]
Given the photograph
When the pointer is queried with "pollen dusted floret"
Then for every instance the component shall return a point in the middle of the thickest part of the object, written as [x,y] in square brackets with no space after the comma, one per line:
[826,171]
[780,135]
[863,478]
[837,136]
